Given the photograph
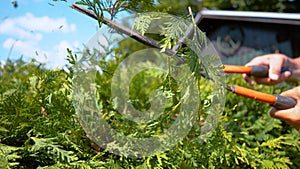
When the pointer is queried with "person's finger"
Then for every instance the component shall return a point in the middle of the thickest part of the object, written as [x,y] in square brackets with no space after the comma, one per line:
[268,81]
[276,63]
[294,93]
[248,79]
[287,115]
[280,114]
[259,60]
[291,116]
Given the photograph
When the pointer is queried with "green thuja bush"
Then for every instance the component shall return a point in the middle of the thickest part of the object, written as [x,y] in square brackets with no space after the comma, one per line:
[39,128]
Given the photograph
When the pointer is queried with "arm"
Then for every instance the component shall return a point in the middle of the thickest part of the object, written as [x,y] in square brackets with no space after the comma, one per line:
[275,62]
[290,116]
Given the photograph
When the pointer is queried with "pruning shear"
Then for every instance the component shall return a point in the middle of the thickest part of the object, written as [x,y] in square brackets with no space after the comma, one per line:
[275,100]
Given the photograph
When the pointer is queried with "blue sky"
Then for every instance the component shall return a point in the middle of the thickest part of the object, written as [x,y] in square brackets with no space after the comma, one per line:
[42,29]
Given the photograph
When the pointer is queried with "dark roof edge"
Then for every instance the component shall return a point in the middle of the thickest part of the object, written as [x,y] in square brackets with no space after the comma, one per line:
[251,16]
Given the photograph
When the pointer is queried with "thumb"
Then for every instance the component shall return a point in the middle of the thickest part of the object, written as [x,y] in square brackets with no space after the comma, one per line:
[276,63]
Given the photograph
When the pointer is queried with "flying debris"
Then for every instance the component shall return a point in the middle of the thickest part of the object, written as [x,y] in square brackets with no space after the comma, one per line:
[15,4]
[50,4]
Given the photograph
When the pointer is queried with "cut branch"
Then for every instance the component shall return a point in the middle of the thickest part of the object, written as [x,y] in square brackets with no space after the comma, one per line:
[125,30]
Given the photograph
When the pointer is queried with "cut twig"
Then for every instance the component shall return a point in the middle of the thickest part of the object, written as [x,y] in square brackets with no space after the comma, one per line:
[129,32]
[190,31]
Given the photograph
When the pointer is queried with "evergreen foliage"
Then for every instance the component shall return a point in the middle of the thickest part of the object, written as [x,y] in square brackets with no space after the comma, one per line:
[39,127]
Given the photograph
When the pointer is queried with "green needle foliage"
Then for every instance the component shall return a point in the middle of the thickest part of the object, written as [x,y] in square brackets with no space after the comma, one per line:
[39,127]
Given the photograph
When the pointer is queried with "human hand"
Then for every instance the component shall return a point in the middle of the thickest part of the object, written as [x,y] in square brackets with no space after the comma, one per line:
[292,115]
[275,62]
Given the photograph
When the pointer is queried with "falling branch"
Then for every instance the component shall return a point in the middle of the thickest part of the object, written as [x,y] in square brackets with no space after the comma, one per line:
[125,30]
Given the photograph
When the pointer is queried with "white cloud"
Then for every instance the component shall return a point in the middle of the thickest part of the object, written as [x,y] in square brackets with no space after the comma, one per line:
[27,48]
[55,57]
[26,35]
[44,24]
[24,26]
[58,57]
[8,27]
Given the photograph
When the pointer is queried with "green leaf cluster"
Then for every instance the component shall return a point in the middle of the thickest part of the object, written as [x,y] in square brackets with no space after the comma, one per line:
[39,127]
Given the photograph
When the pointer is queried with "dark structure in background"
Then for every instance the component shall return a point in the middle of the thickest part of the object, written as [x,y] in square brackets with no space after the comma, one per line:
[239,36]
